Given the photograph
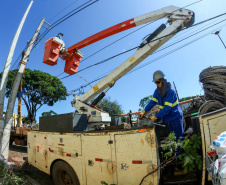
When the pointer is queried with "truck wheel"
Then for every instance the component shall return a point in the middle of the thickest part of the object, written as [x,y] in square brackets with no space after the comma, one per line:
[63,174]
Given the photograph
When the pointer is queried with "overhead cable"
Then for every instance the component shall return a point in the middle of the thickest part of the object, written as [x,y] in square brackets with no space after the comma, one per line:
[62,19]
[73,2]
[180,47]
[160,57]
[36,42]
[132,33]
[103,61]
[117,41]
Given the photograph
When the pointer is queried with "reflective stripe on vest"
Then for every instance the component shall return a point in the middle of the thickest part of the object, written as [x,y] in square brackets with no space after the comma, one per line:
[154,99]
[171,104]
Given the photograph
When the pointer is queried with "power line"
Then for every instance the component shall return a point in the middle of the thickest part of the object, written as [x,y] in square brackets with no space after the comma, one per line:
[103,61]
[127,35]
[75,12]
[63,9]
[68,15]
[65,17]
[54,25]
[172,51]
[105,48]
[132,33]
[116,41]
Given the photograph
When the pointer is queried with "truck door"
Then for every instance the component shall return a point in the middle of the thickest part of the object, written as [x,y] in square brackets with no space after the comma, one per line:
[212,124]
[37,150]
[31,147]
[136,156]
[41,152]
[98,159]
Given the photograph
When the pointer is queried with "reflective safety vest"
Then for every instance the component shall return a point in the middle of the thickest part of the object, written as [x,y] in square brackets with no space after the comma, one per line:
[169,107]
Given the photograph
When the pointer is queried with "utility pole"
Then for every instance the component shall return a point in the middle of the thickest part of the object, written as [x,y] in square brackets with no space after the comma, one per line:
[8,64]
[12,98]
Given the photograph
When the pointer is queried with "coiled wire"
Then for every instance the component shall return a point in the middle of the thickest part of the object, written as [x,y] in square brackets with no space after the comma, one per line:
[213,80]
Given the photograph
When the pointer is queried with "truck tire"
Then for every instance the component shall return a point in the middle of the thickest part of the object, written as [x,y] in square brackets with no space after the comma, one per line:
[63,174]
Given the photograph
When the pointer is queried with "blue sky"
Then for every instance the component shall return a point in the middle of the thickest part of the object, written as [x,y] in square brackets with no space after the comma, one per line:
[183,66]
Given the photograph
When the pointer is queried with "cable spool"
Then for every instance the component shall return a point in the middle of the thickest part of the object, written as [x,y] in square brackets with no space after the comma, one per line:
[214,83]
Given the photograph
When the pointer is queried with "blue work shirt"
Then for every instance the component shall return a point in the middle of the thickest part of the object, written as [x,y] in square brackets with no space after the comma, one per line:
[169,108]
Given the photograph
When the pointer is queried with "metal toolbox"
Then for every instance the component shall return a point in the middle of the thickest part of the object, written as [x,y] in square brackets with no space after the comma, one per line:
[65,123]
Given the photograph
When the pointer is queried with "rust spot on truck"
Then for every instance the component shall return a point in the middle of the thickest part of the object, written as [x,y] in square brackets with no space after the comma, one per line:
[61,151]
[142,142]
[45,157]
[45,154]
[148,139]
[111,166]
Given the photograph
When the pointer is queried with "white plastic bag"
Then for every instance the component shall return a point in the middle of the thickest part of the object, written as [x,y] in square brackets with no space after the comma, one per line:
[218,166]
[223,171]
[219,144]
[223,174]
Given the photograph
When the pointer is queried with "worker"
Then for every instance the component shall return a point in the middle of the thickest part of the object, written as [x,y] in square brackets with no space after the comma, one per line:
[170,111]
[60,35]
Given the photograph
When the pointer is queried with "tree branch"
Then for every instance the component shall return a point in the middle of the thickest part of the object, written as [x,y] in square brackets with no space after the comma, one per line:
[40,106]
[26,104]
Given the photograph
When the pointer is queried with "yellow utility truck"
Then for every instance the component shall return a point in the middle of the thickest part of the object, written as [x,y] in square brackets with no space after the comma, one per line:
[122,156]
[86,148]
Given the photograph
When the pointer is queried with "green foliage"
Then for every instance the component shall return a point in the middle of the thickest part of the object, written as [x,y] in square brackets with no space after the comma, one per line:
[10,178]
[104,183]
[112,107]
[26,120]
[190,157]
[187,98]
[41,88]
[123,119]
[144,101]
[2,169]
[171,145]
[49,113]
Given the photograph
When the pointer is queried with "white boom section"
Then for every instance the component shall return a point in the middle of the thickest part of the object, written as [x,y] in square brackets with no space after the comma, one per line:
[177,17]
[169,12]
[8,62]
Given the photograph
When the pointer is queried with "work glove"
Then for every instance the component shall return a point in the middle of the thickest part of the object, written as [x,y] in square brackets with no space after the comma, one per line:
[141,115]
[153,118]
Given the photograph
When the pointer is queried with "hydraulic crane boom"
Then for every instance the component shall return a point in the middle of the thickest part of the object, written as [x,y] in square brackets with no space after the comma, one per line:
[178,18]
[171,11]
